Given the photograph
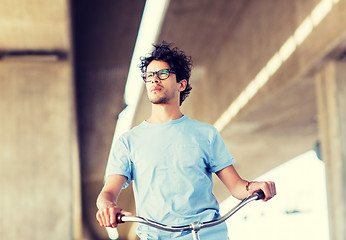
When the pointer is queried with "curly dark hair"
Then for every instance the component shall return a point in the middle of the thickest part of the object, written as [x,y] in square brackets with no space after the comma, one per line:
[176,59]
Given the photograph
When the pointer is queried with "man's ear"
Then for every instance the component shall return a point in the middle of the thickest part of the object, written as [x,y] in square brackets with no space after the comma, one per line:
[182,85]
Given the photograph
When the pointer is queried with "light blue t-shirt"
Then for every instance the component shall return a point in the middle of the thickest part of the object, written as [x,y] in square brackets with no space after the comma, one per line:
[171,165]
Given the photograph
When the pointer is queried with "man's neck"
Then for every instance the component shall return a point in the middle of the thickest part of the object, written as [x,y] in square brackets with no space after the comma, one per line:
[163,113]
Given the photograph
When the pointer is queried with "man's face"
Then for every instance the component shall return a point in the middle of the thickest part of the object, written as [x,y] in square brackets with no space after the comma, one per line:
[162,91]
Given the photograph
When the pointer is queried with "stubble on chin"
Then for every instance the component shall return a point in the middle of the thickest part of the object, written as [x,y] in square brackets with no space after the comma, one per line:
[155,99]
[161,100]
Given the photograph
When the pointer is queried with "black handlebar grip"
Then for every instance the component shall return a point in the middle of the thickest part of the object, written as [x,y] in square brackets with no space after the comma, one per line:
[118,218]
[260,194]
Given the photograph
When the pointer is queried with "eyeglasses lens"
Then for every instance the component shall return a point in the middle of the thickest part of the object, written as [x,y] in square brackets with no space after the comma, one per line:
[161,74]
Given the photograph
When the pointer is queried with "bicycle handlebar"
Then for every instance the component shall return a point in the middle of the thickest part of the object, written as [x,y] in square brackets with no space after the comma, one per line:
[195,226]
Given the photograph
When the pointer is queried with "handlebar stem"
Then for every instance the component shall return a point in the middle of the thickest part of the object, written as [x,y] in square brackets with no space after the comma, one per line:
[195,227]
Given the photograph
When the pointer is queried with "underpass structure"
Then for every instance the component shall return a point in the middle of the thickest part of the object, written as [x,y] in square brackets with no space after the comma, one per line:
[270,75]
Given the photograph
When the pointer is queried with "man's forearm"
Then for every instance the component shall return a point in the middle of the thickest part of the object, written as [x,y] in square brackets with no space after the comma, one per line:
[241,188]
[110,191]
[105,200]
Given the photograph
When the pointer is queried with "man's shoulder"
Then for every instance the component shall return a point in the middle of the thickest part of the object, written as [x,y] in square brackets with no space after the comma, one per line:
[124,136]
[201,127]
[200,124]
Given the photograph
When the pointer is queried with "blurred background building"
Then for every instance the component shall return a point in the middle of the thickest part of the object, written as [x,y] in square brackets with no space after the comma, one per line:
[269,75]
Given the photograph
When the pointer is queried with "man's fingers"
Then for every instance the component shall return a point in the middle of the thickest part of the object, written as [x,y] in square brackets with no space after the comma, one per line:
[112,216]
[99,219]
[273,188]
[107,217]
[102,217]
[268,189]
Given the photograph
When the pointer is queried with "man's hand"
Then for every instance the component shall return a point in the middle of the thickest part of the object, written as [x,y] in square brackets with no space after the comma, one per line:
[107,209]
[268,189]
[106,216]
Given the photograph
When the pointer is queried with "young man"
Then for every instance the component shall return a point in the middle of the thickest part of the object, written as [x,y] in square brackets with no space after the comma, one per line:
[171,158]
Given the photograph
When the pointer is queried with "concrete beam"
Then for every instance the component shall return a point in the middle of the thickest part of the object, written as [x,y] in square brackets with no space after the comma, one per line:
[331,95]
[34,25]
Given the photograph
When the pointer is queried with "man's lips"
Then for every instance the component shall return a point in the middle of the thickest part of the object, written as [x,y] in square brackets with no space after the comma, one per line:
[155,89]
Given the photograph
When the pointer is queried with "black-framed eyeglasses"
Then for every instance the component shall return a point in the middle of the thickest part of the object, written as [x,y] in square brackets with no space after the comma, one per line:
[161,74]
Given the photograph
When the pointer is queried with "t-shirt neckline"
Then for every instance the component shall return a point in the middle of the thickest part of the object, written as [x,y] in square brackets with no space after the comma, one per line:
[171,122]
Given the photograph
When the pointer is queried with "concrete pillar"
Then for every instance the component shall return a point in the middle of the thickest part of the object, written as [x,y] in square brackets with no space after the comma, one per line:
[39,169]
[331,97]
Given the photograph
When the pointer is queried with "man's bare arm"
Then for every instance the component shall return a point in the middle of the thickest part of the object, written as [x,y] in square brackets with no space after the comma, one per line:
[240,188]
[106,201]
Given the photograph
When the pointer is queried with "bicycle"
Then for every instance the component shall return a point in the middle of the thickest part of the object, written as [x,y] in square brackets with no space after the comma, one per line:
[195,226]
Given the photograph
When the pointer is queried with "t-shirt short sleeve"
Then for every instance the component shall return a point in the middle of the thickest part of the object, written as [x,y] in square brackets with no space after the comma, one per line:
[221,157]
[119,162]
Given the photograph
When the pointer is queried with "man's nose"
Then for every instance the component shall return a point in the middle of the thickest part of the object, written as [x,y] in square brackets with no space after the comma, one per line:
[155,79]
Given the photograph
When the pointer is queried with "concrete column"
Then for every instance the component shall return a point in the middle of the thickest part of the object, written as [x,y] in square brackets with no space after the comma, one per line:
[39,180]
[331,97]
